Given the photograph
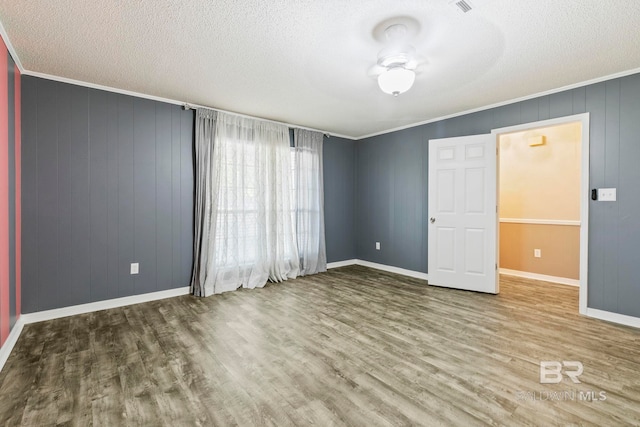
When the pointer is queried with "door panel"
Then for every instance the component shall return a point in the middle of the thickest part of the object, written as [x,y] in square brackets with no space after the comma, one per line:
[474,191]
[446,191]
[474,251]
[447,253]
[462,212]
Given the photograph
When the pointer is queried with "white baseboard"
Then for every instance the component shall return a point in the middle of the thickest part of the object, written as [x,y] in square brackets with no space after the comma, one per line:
[622,319]
[341,263]
[390,269]
[544,277]
[41,316]
[383,267]
[11,341]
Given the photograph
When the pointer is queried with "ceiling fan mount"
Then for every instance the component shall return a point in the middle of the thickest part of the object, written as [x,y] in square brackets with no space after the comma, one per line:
[396,63]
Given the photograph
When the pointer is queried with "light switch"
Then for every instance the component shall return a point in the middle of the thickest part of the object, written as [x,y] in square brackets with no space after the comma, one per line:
[607,194]
[377,246]
[135,268]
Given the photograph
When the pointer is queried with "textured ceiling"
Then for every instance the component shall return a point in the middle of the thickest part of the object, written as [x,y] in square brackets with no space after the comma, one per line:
[306,62]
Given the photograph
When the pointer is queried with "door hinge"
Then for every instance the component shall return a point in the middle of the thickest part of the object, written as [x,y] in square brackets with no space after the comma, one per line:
[496,266]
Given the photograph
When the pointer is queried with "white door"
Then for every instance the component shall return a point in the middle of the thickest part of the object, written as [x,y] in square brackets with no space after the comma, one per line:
[463,213]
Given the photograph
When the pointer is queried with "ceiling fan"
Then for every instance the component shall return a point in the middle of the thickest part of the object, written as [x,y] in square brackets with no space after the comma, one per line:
[397,62]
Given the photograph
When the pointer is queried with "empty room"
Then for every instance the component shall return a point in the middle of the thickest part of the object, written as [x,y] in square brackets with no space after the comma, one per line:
[296,213]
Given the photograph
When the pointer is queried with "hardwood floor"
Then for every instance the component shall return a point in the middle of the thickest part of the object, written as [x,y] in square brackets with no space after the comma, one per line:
[353,346]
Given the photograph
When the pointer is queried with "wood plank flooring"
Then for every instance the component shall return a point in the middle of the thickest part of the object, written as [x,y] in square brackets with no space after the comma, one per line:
[353,346]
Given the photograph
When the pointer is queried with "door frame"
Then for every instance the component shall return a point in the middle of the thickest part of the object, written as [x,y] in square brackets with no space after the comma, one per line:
[584,190]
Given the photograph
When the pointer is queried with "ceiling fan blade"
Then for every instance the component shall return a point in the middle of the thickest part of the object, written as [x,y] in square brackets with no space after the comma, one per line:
[375,70]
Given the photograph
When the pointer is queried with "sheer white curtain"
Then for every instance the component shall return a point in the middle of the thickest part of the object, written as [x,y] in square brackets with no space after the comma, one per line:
[309,201]
[252,232]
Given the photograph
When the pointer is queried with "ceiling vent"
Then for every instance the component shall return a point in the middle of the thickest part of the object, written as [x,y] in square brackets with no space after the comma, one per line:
[463,5]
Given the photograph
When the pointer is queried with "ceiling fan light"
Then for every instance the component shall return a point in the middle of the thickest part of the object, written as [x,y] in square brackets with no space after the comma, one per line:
[396,80]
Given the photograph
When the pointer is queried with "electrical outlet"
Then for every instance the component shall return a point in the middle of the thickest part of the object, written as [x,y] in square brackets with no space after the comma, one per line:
[537,253]
[607,194]
[135,268]
[377,246]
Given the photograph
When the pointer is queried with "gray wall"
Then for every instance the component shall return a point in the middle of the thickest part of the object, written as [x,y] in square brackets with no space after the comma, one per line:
[391,201]
[339,198]
[107,180]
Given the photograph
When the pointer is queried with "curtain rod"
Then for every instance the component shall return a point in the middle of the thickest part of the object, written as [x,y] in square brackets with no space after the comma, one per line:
[187,106]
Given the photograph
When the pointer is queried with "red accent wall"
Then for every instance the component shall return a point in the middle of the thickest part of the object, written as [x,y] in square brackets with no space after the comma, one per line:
[18,142]
[4,195]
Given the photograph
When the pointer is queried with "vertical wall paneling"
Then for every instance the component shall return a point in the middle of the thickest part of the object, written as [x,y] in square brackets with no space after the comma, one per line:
[579,100]
[544,108]
[176,192]
[595,104]
[65,202]
[529,111]
[507,115]
[30,294]
[362,160]
[112,177]
[78,291]
[366,216]
[164,214]
[107,181]
[614,227]
[561,104]
[476,123]
[186,192]
[424,244]
[339,198]
[98,195]
[125,189]
[144,187]
[611,172]
[407,187]
[626,217]
[47,197]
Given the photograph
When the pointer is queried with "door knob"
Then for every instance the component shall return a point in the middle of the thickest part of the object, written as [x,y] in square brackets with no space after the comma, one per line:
[432,220]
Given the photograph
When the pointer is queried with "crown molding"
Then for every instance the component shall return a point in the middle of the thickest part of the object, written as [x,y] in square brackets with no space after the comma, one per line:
[508,102]
[10,48]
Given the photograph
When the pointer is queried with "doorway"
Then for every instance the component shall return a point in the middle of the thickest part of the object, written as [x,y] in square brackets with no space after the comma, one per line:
[543,204]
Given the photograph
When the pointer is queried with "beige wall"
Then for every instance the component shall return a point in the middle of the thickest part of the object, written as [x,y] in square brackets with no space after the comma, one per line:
[541,183]
[559,244]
